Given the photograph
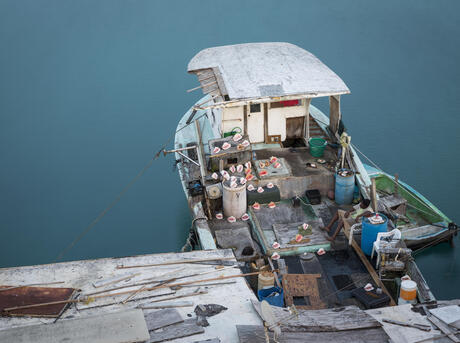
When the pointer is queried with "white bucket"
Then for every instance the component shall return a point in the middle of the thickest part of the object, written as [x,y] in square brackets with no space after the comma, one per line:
[408,292]
[234,200]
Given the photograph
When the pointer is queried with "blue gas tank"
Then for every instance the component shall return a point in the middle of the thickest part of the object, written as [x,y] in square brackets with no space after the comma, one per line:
[370,231]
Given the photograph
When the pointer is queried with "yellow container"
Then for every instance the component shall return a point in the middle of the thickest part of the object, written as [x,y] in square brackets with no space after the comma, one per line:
[408,290]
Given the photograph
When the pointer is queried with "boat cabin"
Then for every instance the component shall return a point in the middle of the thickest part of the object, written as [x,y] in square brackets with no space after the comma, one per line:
[264,90]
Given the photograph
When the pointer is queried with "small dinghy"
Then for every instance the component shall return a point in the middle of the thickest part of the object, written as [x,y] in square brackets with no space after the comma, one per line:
[420,222]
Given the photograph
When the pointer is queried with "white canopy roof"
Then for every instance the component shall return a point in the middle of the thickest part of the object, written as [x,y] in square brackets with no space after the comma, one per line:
[257,70]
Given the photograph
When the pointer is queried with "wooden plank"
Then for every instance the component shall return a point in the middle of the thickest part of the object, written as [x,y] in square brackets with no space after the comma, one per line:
[256,334]
[119,327]
[282,266]
[188,328]
[302,285]
[401,334]
[448,314]
[443,327]
[364,260]
[341,319]
[204,73]
[266,123]
[161,318]
[167,304]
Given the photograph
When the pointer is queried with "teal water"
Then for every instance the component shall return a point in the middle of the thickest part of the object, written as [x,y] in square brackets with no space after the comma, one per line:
[89,91]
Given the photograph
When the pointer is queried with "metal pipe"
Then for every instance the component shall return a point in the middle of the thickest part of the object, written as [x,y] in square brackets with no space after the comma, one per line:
[180,149]
[188,158]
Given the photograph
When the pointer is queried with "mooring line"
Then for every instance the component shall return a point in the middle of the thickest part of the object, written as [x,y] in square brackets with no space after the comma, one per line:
[119,196]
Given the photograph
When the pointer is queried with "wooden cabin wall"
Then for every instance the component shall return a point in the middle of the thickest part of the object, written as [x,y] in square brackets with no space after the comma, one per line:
[277,118]
[232,117]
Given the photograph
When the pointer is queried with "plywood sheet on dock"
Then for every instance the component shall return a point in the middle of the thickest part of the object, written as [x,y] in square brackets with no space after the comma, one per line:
[162,318]
[403,313]
[22,296]
[336,319]
[188,328]
[119,327]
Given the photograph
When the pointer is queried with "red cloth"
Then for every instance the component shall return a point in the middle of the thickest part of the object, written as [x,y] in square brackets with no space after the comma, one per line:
[287,103]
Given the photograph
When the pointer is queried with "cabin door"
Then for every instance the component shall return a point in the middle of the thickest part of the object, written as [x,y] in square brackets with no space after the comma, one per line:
[255,123]
[294,127]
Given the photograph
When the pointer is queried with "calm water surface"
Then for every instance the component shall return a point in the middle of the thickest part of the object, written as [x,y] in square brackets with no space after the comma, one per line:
[89,90]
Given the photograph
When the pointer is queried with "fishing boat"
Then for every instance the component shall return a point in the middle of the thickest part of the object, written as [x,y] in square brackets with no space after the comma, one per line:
[272,109]
[264,171]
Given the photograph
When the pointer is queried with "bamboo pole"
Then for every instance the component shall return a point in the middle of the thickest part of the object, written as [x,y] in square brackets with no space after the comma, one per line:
[30,285]
[160,282]
[176,262]
[179,296]
[133,294]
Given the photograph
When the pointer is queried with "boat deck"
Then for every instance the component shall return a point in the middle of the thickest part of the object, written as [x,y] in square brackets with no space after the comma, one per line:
[298,157]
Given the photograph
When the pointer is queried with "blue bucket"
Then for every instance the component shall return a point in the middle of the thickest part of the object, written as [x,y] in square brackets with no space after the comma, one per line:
[369,233]
[275,300]
[344,187]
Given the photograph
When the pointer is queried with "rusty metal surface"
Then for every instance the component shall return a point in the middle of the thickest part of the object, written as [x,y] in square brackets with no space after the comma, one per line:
[302,285]
[34,295]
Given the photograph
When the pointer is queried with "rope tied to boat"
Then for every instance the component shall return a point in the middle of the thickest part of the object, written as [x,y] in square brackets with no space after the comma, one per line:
[85,231]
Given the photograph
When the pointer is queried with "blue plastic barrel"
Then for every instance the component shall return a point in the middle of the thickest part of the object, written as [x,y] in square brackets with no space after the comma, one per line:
[369,233]
[273,295]
[344,187]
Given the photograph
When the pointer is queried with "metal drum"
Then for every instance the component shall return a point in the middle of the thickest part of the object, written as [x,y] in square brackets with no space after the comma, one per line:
[344,186]
[234,200]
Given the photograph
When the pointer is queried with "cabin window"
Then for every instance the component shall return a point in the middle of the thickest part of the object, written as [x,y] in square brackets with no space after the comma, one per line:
[254,108]
[286,103]
[232,160]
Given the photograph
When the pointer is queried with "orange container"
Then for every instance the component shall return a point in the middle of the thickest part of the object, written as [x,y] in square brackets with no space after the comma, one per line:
[408,290]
